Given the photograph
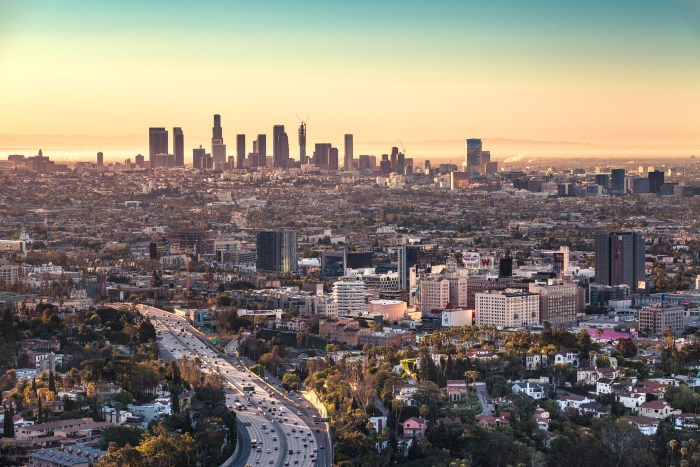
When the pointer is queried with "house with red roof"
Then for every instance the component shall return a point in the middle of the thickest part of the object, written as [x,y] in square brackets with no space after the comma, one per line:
[492,422]
[657,409]
[414,426]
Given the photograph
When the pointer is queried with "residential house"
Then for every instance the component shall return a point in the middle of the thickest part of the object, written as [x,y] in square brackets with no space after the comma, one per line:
[604,386]
[632,400]
[572,401]
[647,425]
[107,392]
[657,409]
[542,419]
[594,408]
[456,390]
[534,390]
[116,417]
[688,421]
[567,356]
[492,422]
[414,426]
[535,361]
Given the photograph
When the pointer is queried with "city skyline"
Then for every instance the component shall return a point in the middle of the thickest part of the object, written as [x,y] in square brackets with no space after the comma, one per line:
[611,79]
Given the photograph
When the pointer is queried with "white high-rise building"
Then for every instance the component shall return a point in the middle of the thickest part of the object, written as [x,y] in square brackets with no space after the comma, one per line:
[434,294]
[350,296]
[509,308]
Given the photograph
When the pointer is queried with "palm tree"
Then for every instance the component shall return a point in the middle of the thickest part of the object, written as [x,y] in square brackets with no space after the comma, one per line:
[424,411]
[672,444]
[397,405]
[695,457]
[470,375]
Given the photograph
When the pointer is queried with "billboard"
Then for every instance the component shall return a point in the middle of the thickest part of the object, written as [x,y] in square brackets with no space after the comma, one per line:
[470,257]
[473,260]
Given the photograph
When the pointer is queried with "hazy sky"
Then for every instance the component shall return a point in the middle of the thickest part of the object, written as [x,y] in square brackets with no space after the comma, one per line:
[600,71]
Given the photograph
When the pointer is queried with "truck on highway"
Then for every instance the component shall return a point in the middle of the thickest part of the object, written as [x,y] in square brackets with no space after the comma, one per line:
[238,406]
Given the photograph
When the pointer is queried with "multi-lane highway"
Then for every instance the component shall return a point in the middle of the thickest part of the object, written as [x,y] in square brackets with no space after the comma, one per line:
[284,430]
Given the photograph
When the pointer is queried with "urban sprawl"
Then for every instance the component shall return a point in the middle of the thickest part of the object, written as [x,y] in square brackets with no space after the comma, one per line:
[349,310]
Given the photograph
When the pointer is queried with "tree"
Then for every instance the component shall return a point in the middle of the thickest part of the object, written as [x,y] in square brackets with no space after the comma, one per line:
[119,457]
[9,426]
[52,382]
[626,347]
[175,402]
[165,449]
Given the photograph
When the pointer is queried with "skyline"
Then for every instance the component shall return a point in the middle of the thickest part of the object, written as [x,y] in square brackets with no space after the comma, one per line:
[611,76]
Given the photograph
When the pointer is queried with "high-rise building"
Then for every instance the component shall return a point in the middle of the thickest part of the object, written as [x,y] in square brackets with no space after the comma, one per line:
[485,159]
[100,159]
[262,151]
[656,179]
[280,146]
[277,251]
[218,148]
[507,308]
[654,319]
[558,302]
[321,153]
[350,296]
[619,259]
[394,158]
[199,158]
[618,180]
[140,161]
[179,147]
[157,144]
[348,159]
[302,144]
[434,294]
[219,153]
[414,260]
[401,164]
[240,151]
[217,131]
[333,158]
[473,156]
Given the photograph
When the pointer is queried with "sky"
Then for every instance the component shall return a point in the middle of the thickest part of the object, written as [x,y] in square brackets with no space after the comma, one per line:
[527,77]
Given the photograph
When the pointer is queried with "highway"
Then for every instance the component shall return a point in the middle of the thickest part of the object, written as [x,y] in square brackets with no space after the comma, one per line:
[277,423]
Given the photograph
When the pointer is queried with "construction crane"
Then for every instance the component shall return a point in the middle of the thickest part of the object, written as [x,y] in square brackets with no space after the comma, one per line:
[403,149]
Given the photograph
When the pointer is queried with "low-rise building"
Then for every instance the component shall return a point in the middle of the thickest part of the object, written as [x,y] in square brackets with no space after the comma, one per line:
[657,409]
[534,390]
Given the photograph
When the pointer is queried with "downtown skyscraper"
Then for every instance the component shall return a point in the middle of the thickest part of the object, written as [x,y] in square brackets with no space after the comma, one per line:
[179,147]
[218,148]
[473,156]
[157,144]
[302,144]
[280,146]
[348,158]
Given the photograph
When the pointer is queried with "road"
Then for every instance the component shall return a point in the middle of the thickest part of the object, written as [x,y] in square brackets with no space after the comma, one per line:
[275,422]
[487,409]
[299,404]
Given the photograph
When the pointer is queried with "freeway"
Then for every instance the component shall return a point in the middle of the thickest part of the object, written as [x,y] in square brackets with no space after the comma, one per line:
[278,423]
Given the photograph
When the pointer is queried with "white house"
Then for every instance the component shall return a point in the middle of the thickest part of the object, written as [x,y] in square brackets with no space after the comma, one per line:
[632,400]
[604,386]
[111,415]
[572,401]
[564,357]
[647,425]
[534,390]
